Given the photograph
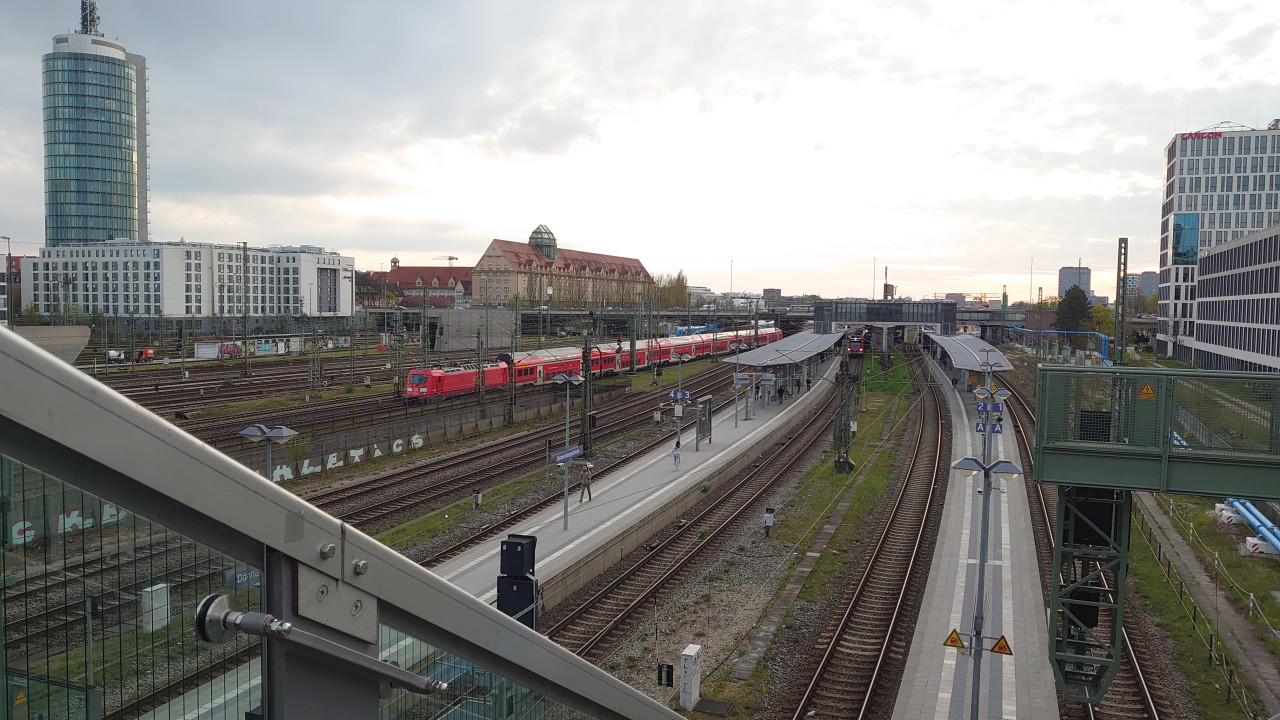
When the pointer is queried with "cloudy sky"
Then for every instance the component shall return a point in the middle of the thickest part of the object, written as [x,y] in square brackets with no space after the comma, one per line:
[799,139]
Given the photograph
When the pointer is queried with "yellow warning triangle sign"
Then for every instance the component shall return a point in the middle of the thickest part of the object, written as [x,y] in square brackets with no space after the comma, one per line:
[1147,392]
[953,640]
[22,697]
[1002,647]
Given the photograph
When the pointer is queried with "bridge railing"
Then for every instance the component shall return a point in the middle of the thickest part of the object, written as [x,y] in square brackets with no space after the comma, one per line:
[1159,429]
[121,530]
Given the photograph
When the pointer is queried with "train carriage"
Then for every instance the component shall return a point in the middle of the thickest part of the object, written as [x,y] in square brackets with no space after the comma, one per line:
[538,367]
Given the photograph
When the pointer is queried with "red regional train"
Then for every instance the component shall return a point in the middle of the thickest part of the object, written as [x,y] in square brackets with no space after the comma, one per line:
[538,367]
[860,341]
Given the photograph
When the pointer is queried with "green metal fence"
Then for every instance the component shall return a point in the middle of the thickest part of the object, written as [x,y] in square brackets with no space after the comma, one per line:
[1192,431]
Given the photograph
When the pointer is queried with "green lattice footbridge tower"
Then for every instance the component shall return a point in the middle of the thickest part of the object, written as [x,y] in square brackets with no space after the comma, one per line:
[1104,432]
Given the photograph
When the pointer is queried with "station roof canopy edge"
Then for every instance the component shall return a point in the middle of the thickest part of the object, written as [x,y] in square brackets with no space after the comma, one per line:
[790,350]
[969,352]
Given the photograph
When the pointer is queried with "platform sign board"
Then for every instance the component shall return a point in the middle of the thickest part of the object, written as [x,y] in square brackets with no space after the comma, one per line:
[997,428]
[982,406]
[567,455]
[703,423]
[997,407]
[980,427]
[741,380]
[679,395]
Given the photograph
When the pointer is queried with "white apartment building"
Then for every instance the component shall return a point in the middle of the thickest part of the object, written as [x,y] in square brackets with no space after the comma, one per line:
[1221,184]
[1237,305]
[177,279]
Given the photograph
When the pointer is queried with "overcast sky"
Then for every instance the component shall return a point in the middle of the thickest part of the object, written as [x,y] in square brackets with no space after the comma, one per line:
[951,141]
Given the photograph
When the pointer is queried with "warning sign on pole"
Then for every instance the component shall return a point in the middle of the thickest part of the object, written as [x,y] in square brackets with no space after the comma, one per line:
[1002,647]
[953,640]
[1147,392]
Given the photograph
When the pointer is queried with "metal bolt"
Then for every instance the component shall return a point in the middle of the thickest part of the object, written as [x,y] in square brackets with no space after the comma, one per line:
[356,608]
[360,566]
[328,550]
[322,592]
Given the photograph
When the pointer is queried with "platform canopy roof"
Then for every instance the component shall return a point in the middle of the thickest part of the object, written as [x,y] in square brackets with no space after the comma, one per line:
[789,350]
[968,352]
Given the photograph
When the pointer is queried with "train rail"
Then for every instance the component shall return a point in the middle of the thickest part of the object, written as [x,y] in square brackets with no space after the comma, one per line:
[515,518]
[610,613]
[1131,695]
[856,670]
[453,476]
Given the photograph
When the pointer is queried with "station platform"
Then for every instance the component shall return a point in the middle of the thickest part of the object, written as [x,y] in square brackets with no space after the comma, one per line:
[937,680]
[630,505]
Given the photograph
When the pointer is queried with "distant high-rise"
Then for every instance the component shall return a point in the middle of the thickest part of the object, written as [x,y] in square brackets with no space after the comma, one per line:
[95,138]
[1221,185]
[1074,275]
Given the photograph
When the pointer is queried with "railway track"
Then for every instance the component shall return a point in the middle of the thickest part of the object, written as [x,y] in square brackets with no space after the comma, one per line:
[1131,695]
[458,474]
[612,612]
[856,676]
[515,518]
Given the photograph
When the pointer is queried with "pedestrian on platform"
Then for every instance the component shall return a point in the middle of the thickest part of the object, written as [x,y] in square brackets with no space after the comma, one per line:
[797,386]
[675,454]
[782,392]
[954,382]
[585,483]
[808,384]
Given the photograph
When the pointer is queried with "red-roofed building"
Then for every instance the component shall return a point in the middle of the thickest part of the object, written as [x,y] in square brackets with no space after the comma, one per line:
[574,278]
[442,286]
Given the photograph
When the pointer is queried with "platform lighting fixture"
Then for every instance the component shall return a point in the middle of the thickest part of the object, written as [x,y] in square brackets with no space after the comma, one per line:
[737,352]
[680,361]
[568,382]
[278,435]
[971,465]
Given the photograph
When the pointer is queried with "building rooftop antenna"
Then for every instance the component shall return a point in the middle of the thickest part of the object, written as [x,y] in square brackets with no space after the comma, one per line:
[89,18]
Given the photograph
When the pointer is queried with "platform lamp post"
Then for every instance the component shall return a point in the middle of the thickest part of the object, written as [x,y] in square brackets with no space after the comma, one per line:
[568,381]
[987,468]
[278,435]
[680,360]
[737,353]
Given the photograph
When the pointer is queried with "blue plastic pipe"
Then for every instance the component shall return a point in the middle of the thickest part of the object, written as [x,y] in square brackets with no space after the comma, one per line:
[1259,522]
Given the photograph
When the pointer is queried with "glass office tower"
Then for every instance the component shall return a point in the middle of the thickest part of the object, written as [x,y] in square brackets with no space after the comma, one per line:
[95,140]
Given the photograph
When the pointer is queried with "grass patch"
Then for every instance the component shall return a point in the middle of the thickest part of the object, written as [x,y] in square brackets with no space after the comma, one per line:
[1254,575]
[671,374]
[1208,687]
[420,530]
[877,379]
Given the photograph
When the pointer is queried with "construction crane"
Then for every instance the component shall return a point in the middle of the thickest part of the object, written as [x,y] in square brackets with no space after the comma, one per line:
[450,258]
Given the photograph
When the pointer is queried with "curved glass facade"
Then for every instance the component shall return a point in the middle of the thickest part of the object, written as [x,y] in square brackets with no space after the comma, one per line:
[94,148]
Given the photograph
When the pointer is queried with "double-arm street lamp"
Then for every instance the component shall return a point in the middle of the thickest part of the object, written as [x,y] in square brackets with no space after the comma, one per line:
[278,435]
[568,381]
[971,465]
[680,360]
[737,352]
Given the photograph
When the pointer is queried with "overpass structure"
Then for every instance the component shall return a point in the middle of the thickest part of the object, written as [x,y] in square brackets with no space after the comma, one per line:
[1103,432]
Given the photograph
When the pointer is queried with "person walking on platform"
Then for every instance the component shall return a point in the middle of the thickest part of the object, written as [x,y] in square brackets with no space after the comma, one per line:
[782,392]
[585,482]
[675,454]
[808,384]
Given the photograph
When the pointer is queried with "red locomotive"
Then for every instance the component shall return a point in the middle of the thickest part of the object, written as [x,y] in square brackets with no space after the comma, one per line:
[538,367]
[860,341]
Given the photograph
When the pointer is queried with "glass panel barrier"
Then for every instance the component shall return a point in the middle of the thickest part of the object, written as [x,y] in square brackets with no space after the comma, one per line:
[97,604]
[474,693]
